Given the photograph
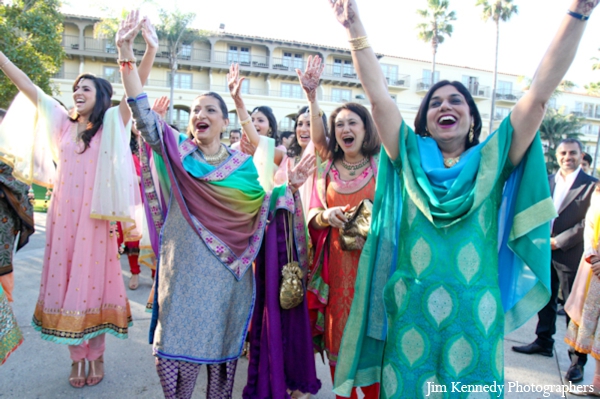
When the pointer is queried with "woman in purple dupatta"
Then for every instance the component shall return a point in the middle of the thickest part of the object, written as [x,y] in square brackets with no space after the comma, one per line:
[281,354]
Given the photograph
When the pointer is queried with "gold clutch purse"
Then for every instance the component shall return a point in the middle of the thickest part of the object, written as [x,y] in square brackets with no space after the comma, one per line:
[354,235]
[291,290]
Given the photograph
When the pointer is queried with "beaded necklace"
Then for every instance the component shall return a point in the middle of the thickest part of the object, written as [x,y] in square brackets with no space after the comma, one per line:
[353,167]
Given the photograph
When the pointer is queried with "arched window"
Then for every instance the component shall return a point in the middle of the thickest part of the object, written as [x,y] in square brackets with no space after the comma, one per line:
[181,117]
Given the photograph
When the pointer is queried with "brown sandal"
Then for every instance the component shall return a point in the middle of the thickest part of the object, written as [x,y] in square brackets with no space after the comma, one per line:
[96,371]
[77,377]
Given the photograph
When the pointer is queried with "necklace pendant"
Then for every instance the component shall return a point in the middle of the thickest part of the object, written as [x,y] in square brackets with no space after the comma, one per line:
[352,173]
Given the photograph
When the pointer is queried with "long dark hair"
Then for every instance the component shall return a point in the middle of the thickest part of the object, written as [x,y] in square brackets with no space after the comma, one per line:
[421,118]
[222,107]
[104,92]
[268,112]
[371,143]
[295,148]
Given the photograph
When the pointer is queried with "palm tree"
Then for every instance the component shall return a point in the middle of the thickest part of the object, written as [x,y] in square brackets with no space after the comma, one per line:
[497,10]
[174,30]
[436,26]
[555,127]
[593,89]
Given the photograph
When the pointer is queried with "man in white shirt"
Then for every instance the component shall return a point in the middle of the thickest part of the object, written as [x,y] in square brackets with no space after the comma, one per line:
[571,192]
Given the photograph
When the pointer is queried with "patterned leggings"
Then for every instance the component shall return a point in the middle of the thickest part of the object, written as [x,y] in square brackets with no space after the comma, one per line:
[178,378]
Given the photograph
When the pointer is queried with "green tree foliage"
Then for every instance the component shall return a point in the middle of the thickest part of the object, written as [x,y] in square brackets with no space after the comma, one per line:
[31,37]
[555,127]
[496,10]
[593,88]
[436,26]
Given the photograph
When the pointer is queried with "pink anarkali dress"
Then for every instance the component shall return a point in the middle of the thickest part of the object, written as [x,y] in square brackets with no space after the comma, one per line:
[82,293]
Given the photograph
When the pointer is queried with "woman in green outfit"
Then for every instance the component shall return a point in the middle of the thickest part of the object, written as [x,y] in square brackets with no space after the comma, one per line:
[431,303]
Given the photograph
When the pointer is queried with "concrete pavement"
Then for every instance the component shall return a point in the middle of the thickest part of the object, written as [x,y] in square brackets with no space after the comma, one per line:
[40,369]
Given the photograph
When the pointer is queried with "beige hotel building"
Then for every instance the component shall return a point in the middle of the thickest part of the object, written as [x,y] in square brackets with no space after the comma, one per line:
[269,67]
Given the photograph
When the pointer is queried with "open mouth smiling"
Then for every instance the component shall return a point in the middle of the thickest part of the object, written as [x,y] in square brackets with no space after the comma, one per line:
[447,120]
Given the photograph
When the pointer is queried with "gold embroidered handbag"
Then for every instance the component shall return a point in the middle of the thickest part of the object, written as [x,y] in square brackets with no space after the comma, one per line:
[354,234]
[291,291]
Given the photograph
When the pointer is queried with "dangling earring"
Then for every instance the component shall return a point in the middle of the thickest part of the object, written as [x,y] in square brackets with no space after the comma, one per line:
[337,147]
[269,131]
[471,135]
[224,129]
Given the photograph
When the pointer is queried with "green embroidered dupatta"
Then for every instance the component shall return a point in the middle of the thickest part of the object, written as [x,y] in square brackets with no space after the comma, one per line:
[528,210]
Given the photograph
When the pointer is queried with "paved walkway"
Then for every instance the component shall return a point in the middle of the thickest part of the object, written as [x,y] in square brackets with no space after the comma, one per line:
[40,369]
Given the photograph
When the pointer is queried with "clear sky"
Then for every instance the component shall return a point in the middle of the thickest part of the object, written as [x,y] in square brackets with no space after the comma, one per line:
[391,28]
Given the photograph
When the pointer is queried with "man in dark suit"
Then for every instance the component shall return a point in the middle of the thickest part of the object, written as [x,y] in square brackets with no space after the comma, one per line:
[571,192]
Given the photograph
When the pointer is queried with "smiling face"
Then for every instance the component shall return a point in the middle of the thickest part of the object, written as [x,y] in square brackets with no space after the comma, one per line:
[261,123]
[206,120]
[349,132]
[569,157]
[448,117]
[303,130]
[84,97]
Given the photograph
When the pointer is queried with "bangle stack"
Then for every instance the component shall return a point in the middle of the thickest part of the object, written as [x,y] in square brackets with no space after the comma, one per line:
[319,220]
[359,43]
[246,121]
[578,16]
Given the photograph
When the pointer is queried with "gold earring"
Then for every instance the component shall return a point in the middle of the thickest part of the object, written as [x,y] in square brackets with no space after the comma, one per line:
[337,147]
[471,135]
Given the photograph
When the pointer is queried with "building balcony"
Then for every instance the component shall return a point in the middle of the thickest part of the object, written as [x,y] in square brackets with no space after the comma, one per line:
[585,113]
[219,61]
[479,92]
[398,82]
[508,97]
[423,86]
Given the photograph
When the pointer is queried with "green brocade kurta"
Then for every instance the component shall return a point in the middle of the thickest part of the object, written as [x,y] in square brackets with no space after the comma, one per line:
[443,301]
[445,317]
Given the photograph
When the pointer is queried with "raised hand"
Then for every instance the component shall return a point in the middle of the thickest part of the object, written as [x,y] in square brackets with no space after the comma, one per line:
[161,106]
[309,80]
[234,81]
[585,7]
[128,30]
[304,170]
[345,11]
[149,33]
[246,146]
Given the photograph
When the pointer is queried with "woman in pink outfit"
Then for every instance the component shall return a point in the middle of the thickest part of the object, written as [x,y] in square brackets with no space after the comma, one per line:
[82,294]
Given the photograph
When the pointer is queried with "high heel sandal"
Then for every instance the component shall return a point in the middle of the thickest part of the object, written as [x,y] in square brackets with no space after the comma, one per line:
[96,371]
[77,377]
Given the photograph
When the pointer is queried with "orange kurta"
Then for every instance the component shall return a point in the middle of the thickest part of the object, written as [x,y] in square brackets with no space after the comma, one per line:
[342,264]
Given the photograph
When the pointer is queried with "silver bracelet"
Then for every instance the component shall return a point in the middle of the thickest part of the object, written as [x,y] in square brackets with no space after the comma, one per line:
[5,62]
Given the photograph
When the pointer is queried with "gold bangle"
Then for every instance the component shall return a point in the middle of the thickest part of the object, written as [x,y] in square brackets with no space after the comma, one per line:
[320,221]
[246,121]
[320,115]
[4,63]
[359,43]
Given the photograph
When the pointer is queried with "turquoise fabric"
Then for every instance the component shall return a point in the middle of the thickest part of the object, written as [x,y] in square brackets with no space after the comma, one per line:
[435,231]
[245,178]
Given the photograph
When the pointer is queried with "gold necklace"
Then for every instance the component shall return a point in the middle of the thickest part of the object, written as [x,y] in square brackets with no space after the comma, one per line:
[450,162]
[216,159]
[353,167]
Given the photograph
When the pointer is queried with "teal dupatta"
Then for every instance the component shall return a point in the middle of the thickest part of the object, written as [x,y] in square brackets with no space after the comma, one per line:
[445,197]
